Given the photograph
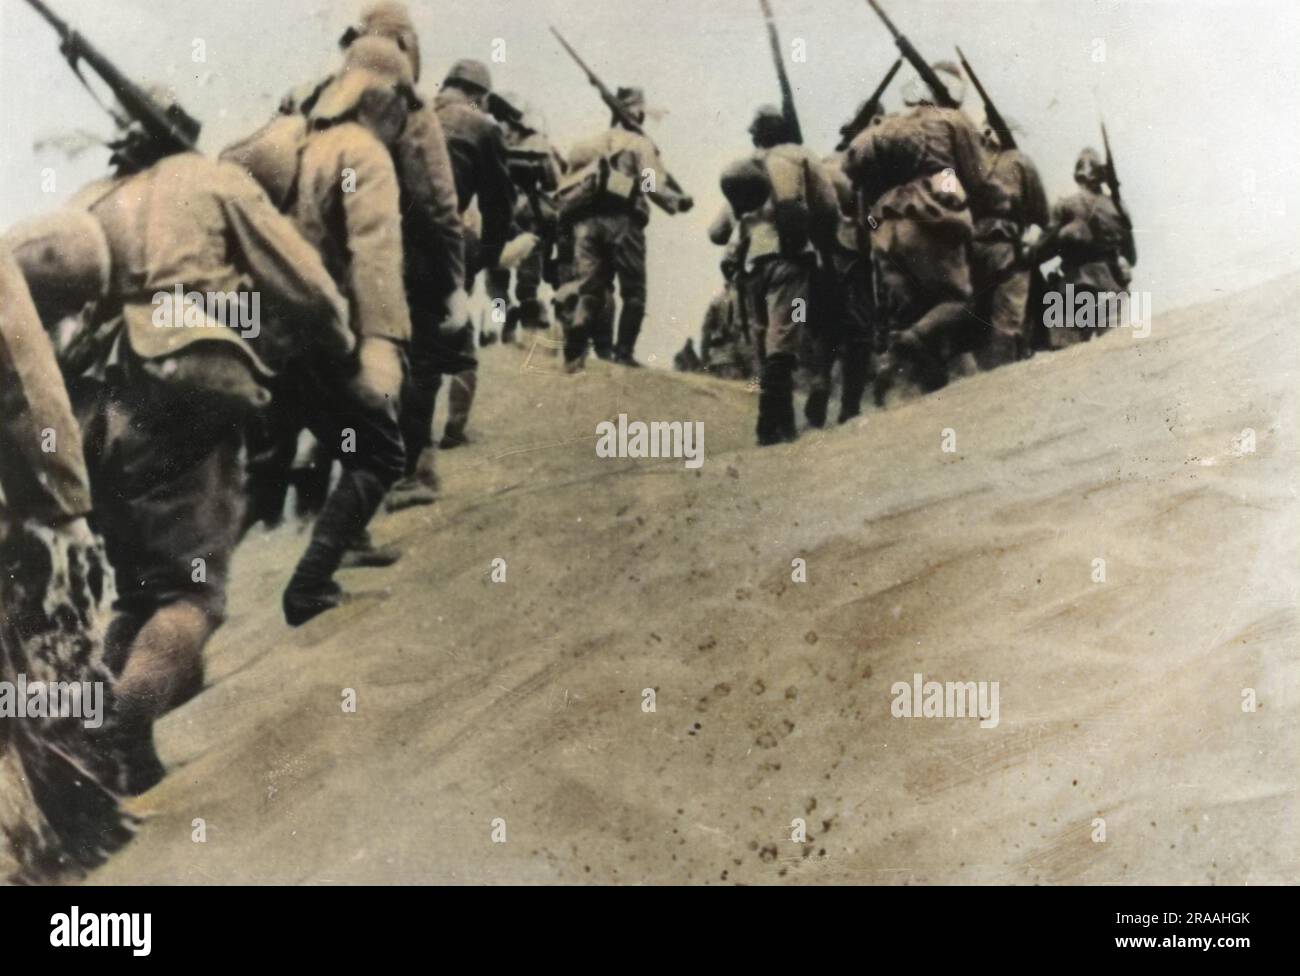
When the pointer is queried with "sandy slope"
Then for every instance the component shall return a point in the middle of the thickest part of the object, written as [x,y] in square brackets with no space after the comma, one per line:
[522,700]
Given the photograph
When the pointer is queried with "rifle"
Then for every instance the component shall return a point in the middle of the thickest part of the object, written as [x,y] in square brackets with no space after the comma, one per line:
[942,97]
[991,113]
[869,108]
[793,130]
[613,104]
[172,128]
[1112,179]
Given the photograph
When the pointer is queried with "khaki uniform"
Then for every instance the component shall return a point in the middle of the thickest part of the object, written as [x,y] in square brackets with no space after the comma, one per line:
[353,409]
[479,161]
[780,268]
[1015,202]
[922,178]
[846,297]
[1094,241]
[609,239]
[169,493]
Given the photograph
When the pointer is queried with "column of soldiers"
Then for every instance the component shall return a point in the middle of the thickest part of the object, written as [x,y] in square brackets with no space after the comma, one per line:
[358,219]
[909,252]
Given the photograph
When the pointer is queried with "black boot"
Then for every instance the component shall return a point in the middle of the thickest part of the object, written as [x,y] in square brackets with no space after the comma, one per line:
[776,423]
[312,590]
[856,369]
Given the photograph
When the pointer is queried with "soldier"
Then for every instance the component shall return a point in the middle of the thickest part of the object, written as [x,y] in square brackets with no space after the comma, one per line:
[480,162]
[163,406]
[847,288]
[536,167]
[726,347]
[621,169]
[920,177]
[433,246]
[785,210]
[347,205]
[1093,236]
[1015,203]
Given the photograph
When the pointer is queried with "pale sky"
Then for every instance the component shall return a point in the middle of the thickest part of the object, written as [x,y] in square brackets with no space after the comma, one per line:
[1200,97]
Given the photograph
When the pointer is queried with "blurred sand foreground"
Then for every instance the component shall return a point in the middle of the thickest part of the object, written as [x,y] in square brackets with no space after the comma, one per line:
[1120,701]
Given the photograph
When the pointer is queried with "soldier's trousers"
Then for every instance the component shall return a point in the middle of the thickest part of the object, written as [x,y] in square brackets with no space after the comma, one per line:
[779,297]
[608,248]
[168,481]
[845,313]
[923,279]
[355,416]
[1001,302]
[430,358]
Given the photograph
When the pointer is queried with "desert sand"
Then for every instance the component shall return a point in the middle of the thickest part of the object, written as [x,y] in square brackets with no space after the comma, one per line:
[1120,701]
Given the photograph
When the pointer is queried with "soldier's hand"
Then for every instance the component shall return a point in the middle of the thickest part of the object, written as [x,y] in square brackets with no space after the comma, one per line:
[457,309]
[685,203]
[518,250]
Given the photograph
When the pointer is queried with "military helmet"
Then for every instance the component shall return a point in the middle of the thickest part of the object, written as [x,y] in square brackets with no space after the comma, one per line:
[470,73]
[1089,168]
[390,19]
[632,97]
[372,63]
[768,127]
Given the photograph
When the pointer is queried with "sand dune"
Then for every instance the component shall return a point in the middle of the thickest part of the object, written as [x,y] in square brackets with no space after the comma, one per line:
[1119,701]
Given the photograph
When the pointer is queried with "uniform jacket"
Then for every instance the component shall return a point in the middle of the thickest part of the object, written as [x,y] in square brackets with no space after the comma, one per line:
[1090,235]
[760,232]
[479,160]
[209,227]
[357,228]
[927,166]
[632,154]
[431,227]
[1015,199]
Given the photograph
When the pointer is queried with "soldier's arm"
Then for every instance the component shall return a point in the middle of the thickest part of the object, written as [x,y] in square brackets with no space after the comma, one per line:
[971,162]
[823,202]
[282,264]
[722,227]
[1036,211]
[372,213]
[496,195]
[1049,245]
[42,467]
[432,207]
[662,195]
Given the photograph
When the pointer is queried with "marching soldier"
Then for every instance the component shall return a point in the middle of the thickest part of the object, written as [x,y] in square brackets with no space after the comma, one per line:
[611,177]
[786,212]
[169,492]
[1093,236]
[434,251]
[355,223]
[921,178]
[480,163]
[1015,203]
